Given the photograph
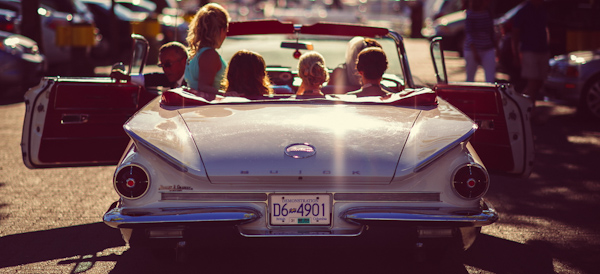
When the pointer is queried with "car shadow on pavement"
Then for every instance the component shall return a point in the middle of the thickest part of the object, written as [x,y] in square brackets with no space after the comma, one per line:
[497,255]
[554,211]
[39,246]
[284,259]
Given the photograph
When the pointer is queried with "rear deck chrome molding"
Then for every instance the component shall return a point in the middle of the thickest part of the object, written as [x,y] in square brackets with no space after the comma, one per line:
[214,197]
[339,197]
[123,217]
[388,197]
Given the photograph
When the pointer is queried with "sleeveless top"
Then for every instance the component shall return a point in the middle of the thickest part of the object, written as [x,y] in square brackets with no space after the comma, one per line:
[192,70]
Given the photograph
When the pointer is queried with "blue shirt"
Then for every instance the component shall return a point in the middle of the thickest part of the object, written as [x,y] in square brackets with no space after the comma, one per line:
[192,70]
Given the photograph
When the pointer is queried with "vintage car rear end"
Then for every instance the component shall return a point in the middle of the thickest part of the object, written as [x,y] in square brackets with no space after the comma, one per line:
[286,166]
[323,167]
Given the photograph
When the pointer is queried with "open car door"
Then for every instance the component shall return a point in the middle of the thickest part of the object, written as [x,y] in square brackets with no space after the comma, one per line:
[503,140]
[79,121]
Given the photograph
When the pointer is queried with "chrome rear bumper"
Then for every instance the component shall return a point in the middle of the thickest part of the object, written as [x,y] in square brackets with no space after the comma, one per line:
[358,216]
[122,217]
[424,216]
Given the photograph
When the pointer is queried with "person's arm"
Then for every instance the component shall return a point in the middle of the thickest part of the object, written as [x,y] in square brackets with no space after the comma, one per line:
[120,76]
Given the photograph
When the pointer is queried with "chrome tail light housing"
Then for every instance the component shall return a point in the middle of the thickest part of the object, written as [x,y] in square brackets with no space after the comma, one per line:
[470,181]
[131,182]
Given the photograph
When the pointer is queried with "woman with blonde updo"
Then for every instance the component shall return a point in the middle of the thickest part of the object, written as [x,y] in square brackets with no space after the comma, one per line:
[247,76]
[313,72]
[205,69]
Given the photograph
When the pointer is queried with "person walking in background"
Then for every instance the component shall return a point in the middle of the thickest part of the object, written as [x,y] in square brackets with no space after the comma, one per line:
[480,42]
[530,46]
[205,70]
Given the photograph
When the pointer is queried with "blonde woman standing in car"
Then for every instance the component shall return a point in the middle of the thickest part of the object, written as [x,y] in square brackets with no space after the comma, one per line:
[206,68]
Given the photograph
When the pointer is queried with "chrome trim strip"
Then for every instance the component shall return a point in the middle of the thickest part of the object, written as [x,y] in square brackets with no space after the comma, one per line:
[398,214]
[388,197]
[212,197]
[445,149]
[120,217]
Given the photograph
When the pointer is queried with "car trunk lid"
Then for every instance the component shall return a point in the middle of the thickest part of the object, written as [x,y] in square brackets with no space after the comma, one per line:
[308,142]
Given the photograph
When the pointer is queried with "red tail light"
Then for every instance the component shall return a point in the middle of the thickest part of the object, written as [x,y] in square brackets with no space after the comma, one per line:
[572,71]
[7,26]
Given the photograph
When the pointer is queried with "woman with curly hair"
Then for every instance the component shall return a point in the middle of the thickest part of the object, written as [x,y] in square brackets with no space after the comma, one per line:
[247,76]
[313,72]
[205,69]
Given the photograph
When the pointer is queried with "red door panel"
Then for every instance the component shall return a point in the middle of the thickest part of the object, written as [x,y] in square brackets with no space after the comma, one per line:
[82,122]
[483,103]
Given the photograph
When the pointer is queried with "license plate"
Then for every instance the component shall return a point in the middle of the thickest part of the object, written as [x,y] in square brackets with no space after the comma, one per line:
[300,209]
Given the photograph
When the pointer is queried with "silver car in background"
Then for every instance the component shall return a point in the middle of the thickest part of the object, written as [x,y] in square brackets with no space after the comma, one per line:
[575,79]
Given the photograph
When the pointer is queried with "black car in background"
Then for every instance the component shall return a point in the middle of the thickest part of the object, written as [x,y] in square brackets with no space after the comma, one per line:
[21,64]
[115,44]
[66,54]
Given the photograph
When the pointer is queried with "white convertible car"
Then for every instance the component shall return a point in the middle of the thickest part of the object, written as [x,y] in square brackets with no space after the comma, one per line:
[286,165]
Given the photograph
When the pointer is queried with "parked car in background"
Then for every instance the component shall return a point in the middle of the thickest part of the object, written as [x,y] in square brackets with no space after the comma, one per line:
[410,166]
[450,27]
[21,64]
[9,20]
[57,18]
[172,20]
[575,79]
[115,44]
[146,6]
[172,23]
[449,22]
[572,26]
[439,8]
